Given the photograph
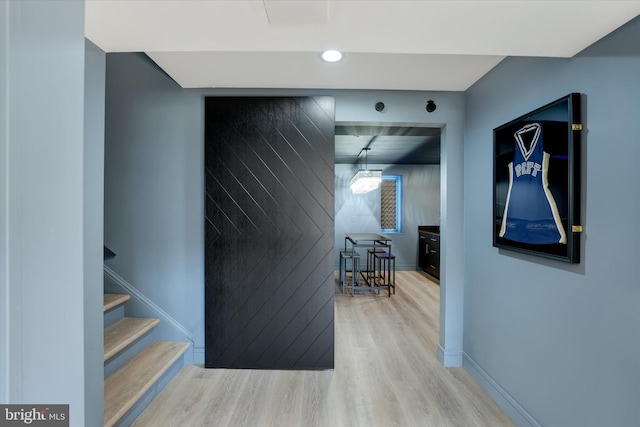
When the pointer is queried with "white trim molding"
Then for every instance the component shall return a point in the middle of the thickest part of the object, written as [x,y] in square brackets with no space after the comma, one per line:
[5,305]
[449,359]
[150,304]
[509,405]
[198,355]
[10,289]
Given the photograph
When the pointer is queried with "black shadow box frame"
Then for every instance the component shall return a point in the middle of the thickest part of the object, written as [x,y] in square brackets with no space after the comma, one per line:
[536,182]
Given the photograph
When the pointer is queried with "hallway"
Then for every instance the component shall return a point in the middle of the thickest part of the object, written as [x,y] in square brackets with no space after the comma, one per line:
[386,374]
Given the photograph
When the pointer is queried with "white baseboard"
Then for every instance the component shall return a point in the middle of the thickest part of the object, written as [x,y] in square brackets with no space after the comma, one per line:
[449,359]
[198,355]
[513,409]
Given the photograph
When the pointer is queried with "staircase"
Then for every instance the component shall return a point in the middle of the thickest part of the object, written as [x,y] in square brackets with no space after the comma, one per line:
[136,367]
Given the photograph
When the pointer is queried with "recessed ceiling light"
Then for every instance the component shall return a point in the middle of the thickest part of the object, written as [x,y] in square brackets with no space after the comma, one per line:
[331,55]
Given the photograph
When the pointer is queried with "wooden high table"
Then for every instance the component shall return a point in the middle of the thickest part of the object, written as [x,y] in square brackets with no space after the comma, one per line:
[369,240]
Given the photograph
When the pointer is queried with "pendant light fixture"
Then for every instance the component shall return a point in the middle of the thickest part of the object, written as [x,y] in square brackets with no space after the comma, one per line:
[366,180]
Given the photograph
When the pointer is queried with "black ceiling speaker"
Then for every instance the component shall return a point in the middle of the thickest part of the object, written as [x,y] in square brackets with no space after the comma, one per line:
[431,106]
[380,107]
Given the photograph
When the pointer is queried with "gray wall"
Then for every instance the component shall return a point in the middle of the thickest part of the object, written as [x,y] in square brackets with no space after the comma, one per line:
[154,187]
[559,344]
[154,182]
[48,241]
[360,213]
[95,62]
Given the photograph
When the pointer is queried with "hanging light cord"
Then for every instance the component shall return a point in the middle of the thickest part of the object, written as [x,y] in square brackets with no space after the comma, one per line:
[366,148]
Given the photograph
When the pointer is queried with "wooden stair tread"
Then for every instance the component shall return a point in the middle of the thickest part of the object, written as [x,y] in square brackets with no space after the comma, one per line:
[113,300]
[124,332]
[127,385]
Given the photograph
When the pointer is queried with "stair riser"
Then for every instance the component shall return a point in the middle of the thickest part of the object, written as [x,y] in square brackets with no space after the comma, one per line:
[113,315]
[140,406]
[128,353]
[152,367]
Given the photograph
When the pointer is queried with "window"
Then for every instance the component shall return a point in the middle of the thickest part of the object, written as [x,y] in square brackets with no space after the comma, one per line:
[391,204]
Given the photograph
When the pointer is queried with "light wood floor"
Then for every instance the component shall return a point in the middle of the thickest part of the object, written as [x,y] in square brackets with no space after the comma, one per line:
[386,374]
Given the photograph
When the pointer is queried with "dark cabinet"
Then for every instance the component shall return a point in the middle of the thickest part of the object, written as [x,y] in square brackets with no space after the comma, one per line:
[429,253]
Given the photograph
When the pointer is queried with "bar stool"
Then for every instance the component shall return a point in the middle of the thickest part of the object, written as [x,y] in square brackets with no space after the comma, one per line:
[370,271]
[385,275]
[345,256]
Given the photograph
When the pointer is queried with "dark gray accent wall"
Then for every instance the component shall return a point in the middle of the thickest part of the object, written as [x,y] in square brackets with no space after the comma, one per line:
[557,344]
[269,281]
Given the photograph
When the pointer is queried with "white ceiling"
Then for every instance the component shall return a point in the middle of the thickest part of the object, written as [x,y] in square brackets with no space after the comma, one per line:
[418,44]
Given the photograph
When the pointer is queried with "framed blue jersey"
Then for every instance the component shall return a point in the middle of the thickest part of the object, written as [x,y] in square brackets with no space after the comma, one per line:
[536,189]
[531,213]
